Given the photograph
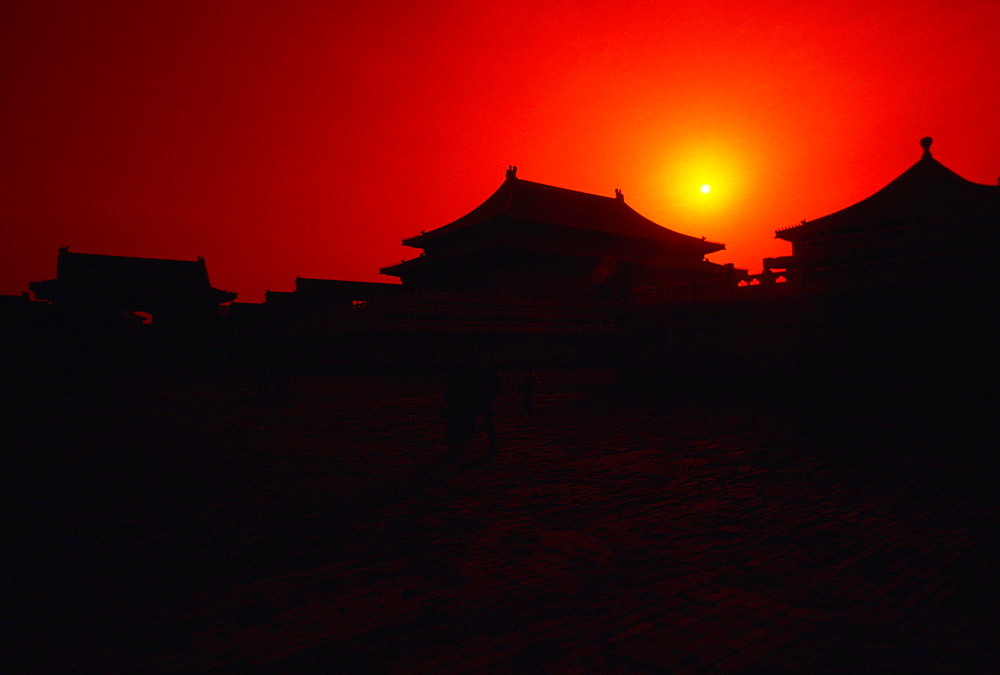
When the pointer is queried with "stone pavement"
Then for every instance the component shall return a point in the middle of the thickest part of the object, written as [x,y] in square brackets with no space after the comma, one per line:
[185,526]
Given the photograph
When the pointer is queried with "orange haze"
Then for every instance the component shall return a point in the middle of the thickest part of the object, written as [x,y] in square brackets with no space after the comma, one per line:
[308,138]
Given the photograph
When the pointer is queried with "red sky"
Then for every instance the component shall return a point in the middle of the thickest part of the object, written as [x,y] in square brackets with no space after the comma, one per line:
[308,138]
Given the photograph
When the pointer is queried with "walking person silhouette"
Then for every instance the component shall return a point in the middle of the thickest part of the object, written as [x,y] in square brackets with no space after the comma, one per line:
[468,398]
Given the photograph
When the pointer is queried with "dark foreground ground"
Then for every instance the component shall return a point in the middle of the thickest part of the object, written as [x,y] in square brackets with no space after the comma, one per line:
[171,524]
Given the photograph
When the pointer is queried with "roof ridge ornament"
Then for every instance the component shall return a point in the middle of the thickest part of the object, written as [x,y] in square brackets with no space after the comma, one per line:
[925,143]
[511,172]
[619,196]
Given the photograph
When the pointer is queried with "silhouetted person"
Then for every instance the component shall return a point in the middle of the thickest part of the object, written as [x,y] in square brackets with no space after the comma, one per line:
[528,384]
[468,397]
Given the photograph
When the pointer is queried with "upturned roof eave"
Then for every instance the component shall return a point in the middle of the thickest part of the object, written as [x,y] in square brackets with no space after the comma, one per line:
[670,238]
[926,176]
[488,209]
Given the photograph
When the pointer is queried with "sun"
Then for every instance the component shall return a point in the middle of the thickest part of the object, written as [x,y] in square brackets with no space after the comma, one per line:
[702,183]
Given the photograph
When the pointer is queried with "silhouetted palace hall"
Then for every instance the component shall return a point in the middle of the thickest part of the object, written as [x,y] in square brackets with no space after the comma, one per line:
[543,275]
[531,239]
[928,225]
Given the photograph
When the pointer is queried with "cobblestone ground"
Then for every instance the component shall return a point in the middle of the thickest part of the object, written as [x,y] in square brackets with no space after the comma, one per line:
[185,526]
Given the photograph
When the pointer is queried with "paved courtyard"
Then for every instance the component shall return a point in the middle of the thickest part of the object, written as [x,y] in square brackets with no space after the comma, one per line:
[178,525]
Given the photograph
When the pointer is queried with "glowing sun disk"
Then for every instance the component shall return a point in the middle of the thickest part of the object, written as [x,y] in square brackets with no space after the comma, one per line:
[705,189]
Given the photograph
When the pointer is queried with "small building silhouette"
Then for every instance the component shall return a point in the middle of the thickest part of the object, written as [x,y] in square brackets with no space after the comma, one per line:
[927,225]
[122,283]
[534,240]
[98,301]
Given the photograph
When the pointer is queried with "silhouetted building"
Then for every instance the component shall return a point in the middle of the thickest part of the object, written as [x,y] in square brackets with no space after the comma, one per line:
[533,240]
[16,309]
[98,302]
[535,275]
[151,285]
[927,225]
[331,293]
[24,326]
[339,325]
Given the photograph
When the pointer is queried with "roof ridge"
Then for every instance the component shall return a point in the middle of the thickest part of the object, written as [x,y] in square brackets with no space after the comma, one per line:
[563,189]
[198,260]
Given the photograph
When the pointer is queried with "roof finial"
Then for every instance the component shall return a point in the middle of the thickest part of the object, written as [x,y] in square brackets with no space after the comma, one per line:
[925,143]
[511,172]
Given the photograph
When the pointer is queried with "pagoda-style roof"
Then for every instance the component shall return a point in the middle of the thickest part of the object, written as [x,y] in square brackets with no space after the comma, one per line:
[525,200]
[136,283]
[928,187]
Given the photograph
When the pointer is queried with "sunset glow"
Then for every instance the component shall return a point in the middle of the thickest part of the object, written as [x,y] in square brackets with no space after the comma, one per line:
[309,139]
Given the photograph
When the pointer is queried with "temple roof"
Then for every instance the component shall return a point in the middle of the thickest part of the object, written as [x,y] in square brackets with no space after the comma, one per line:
[926,187]
[529,201]
[122,277]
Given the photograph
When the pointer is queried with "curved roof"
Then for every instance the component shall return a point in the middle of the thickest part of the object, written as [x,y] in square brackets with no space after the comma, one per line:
[926,187]
[530,201]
